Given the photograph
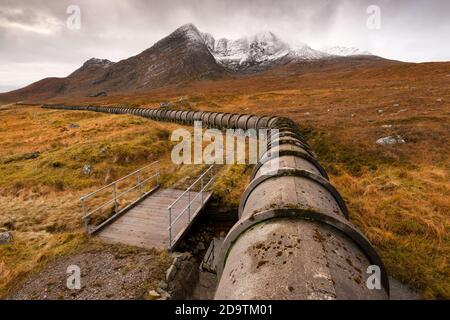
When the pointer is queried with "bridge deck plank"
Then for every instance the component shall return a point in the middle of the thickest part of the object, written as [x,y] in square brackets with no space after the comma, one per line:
[146,224]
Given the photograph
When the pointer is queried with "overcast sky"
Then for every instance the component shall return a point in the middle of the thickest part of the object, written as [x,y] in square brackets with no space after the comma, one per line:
[36,43]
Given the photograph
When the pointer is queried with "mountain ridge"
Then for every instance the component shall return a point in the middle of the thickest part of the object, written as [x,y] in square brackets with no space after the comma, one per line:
[260,50]
[187,54]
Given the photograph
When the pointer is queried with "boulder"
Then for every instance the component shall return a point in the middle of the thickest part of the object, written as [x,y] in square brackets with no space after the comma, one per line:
[87,169]
[104,151]
[163,285]
[164,105]
[154,295]
[391,140]
[164,295]
[6,237]
[177,261]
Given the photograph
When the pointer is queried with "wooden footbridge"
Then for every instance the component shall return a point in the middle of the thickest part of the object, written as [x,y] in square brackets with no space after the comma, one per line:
[134,210]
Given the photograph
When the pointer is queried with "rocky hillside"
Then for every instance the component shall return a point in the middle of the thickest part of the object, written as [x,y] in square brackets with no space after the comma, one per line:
[181,56]
[185,55]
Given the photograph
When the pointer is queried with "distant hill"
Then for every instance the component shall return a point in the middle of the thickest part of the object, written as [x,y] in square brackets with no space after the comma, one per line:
[189,55]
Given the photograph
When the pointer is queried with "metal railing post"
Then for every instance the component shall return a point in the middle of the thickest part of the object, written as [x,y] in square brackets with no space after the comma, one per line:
[115,197]
[170,227]
[191,200]
[86,225]
[85,219]
[156,172]
[189,206]
[201,189]
[139,183]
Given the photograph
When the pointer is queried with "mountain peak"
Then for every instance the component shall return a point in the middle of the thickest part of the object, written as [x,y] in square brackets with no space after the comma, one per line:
[97,61]
[258,51]
[188,31]
[188,26]
[186,54]
[92,64]
[265,36]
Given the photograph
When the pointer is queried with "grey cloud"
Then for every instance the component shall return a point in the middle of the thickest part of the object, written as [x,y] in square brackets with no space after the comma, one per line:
[412,30]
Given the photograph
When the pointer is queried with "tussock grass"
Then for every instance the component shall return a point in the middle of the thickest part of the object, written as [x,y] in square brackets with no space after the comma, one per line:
[405,214]
[42,156]
[231,183]
[397,195]
[401,206]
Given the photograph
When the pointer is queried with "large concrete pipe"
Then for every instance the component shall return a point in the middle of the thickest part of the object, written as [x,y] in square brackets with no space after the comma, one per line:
[190,117]
[288,158]
[198,115]
[218,120]
[178,116]
[226,120]
[252,122]
[184,115]
[293,239]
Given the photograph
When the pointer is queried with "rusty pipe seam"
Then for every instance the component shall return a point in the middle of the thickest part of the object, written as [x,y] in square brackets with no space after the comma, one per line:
[289,153]
[298,173]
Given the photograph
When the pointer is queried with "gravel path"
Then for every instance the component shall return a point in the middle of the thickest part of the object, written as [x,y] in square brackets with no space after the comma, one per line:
[107,272]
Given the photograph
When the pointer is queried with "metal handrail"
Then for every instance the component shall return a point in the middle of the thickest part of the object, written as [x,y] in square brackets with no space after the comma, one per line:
[190,201]
[86,215]
[118,196]
[191,186]
[118,180]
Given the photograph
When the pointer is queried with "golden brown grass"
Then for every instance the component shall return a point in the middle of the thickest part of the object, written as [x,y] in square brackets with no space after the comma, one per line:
[39,194]
[405,213]
[398,195]
[230,184]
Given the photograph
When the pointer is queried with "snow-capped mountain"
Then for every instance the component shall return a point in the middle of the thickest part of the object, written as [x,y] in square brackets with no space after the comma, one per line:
[184,55]
[345,51]
[304,52]
[265,49]
[261,49]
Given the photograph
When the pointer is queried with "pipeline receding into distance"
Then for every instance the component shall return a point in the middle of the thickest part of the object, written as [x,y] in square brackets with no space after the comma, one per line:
[293,239]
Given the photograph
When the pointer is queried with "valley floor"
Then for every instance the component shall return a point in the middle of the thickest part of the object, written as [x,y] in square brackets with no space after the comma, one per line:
[397,195]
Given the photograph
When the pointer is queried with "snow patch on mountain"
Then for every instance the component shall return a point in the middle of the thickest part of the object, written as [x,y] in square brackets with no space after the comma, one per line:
[189,32]
[93,64]
[98,62]
[344,51]
[259,51]
[304,52]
